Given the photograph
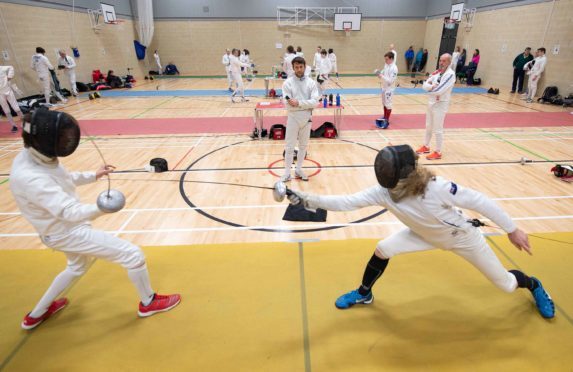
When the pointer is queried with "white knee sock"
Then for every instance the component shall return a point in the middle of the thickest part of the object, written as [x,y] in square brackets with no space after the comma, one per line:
[60,283]
[439,141]
[140,278]
[428,137]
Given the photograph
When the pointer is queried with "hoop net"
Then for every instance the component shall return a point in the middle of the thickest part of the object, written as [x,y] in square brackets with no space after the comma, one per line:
[347,31]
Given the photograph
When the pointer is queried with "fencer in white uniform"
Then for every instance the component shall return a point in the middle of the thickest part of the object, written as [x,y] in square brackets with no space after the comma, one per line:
[226,61]
[534,71]
[439,87]
[455,58]
[158,62]
[429,207]
[388,78]
[300,95]
[287,62]
[46,195]
[41,64]
[317,58]
[68,64]
[236,65]
[323,72]
[7,97]
[333,62]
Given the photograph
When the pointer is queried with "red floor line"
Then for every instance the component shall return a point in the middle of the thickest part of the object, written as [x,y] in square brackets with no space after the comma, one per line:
[184,156]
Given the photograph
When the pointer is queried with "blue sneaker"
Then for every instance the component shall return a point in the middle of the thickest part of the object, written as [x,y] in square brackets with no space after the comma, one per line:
[381,123]
[543,301]
[352,298]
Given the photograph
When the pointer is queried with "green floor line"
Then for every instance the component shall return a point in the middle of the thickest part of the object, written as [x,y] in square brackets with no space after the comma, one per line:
[6,180]
[151,108]
[160,77]
[516,145]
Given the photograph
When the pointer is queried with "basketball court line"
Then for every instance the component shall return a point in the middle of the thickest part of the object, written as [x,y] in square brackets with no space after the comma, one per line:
[277,228]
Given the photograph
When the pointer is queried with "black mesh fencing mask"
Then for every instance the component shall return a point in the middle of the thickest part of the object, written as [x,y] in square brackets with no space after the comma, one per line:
[394,163]
[52,133]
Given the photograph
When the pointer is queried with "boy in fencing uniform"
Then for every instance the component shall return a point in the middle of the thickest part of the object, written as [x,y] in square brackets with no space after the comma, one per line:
[300,96]
[439,87]
[388,78]
[45,193]
[68,64]
[427,205]
[41,64]
[333,62]
[317,58]
[7,97]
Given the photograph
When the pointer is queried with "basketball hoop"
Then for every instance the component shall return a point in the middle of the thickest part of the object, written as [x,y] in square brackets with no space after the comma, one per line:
[347,31]
[449,23]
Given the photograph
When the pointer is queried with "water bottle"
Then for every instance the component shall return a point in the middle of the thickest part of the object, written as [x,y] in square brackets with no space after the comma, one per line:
[337,99]
[330,98]
[324,101]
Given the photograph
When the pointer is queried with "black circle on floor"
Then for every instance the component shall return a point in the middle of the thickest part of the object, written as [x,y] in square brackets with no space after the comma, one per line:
[230,223]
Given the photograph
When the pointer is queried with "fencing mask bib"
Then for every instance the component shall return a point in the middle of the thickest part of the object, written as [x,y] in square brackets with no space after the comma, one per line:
[394,163]
[52,133]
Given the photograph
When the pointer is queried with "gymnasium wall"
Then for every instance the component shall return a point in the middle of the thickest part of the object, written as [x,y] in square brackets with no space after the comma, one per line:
[23,28]
[196,47]
[501,34]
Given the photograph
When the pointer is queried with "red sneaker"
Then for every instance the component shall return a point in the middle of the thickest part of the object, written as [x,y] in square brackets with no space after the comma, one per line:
[434,156]
[158,304]
[29,322]
[423,150]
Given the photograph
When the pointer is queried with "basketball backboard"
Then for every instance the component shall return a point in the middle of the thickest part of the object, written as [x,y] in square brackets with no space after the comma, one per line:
[457,12]
[108,13]
[345,21]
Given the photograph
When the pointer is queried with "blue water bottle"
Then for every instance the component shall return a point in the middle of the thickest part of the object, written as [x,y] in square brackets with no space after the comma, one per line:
[337,99]
[324,101]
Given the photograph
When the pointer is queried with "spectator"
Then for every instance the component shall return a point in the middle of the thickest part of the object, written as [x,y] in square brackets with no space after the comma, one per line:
[418,62]
[112,80]
[171,69]
[461,61]
[424,60]
[409,55]
[518,72]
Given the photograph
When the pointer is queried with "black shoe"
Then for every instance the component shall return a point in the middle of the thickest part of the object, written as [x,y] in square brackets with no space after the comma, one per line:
[513,91]
[520,92]
[490,90]
[496,91]
[14,130]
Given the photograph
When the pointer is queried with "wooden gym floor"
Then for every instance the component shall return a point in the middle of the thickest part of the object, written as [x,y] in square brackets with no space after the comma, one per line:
[263,300]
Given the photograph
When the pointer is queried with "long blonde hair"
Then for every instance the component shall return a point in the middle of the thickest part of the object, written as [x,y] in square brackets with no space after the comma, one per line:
[413,185]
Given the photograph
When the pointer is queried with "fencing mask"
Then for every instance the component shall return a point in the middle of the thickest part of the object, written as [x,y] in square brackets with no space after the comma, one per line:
[394,163]
[51,133]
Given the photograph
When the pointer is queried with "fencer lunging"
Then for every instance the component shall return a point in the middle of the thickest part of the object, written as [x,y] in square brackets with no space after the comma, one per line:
[428,206]
[7,97]
[46,195]
[300,94]
[439,87]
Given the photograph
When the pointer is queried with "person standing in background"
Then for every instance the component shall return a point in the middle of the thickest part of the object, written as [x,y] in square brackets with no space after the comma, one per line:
[518,72]
[409,55]
[332,58]
[7,97]
[68,64]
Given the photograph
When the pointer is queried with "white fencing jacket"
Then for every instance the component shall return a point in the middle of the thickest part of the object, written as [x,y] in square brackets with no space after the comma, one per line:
[41,64]
[304,89]
[6,73]
[445,81]
[434,216]
[388,76]
[45,193]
